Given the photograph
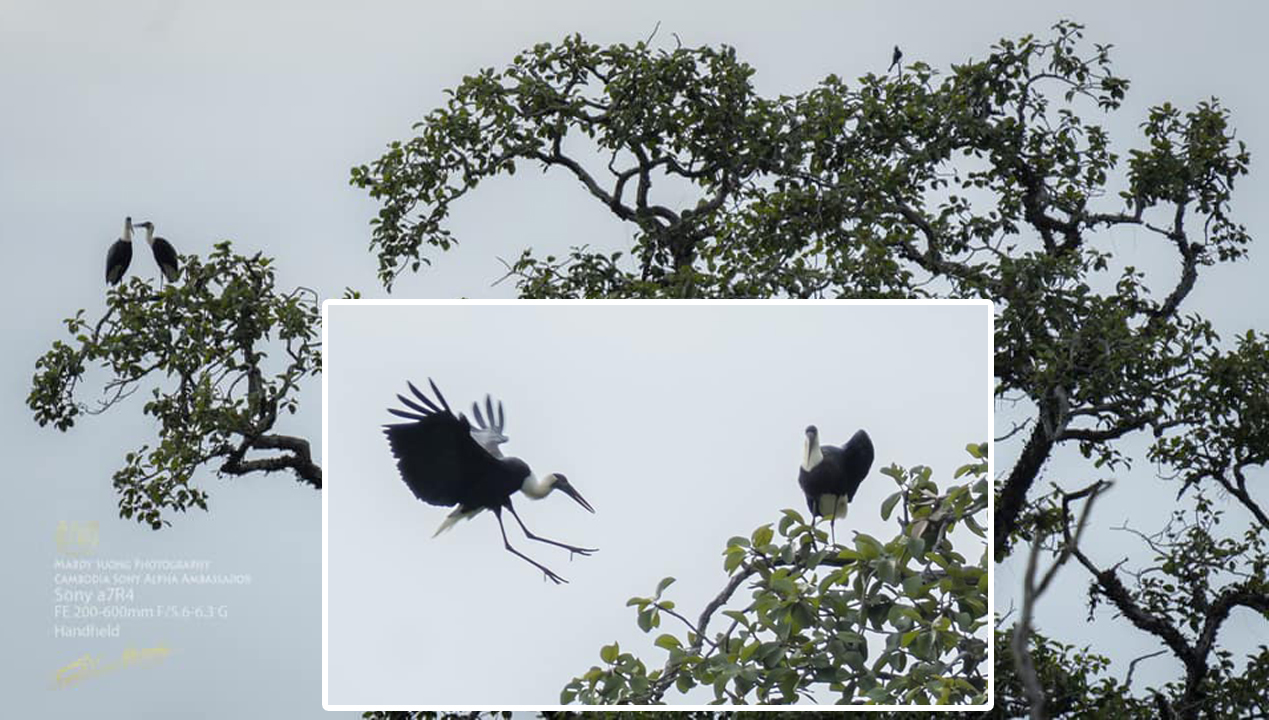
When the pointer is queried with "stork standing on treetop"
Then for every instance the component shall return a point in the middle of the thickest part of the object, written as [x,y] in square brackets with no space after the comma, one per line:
[164,253]
[830,475]
[119,255]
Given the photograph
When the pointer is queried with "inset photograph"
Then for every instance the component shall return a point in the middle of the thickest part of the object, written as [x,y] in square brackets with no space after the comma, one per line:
[567,504]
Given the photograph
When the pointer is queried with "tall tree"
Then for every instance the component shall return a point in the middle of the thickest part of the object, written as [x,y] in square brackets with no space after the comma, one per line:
[988,181]
[202,348]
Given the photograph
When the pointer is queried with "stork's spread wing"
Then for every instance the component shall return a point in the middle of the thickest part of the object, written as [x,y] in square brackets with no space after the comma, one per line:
[437,456]
[855,459]
[488,435]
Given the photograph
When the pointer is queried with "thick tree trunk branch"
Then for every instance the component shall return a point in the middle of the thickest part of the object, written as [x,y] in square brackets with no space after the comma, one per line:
[299,459]
[1189,267]
[1013,495]
[1104,434]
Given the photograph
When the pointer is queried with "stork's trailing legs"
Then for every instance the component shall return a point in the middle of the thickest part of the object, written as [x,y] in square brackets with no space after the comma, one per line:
[507,544]
[529,534]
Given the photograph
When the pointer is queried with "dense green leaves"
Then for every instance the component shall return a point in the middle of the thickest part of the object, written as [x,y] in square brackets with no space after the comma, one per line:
[898,621]
[690,114]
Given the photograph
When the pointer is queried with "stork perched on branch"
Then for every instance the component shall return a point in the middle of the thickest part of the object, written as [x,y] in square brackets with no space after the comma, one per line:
[120,255]
[164,253]
[830,475]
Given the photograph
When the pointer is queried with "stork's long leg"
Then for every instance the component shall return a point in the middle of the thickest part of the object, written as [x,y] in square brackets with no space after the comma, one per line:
[832,527]
[529,534]
[832,521]
[507,544]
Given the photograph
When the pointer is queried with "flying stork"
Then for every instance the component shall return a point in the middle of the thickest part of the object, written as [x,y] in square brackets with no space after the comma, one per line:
[828,473]
[120,255]
[164,253]
[446,461]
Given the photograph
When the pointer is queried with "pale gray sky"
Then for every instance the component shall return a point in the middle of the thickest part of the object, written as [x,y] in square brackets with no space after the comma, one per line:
[681,425]
[240,120]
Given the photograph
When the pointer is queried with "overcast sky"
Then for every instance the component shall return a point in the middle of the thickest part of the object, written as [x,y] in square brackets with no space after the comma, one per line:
[681,425]
[239,120]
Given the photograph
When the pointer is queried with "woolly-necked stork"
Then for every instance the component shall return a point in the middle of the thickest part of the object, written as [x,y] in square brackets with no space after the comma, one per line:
[830,475]
[895,58]
[446,461]
[120,255]
[164,253]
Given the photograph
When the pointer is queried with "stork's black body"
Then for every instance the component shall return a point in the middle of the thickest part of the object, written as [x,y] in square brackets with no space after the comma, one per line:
[120,255]
[445,461]
[164,254]
[895,58]
[830,476]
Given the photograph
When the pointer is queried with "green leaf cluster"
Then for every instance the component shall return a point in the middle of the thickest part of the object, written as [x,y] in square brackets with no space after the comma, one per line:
[899,621]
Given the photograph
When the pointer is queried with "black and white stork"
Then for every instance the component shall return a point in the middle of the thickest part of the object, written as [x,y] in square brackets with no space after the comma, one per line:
[164,253]
[120,255]
[446,461]
[830,475]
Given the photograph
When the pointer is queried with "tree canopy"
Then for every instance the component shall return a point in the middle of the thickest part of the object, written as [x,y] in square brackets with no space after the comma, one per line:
[991,180]
[202,347]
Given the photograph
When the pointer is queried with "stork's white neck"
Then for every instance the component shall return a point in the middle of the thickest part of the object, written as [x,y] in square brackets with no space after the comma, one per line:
[149,235]
[127,230]
[537,489]
[812,456]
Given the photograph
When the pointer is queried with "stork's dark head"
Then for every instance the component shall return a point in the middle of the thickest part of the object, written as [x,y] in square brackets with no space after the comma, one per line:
[811,431]
[557,481]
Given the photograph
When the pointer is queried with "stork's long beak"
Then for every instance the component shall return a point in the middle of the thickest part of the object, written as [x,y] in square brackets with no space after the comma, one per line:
[571,491]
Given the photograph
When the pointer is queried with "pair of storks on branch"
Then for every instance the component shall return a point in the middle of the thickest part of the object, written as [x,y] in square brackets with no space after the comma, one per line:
[446,460]
[120,254]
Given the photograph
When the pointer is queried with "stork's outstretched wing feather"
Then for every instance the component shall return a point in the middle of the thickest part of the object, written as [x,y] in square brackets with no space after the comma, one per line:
[437,455]
[487,434]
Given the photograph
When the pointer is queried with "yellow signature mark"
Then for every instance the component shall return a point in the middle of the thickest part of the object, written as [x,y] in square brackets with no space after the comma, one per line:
[77,538]
[88,666]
